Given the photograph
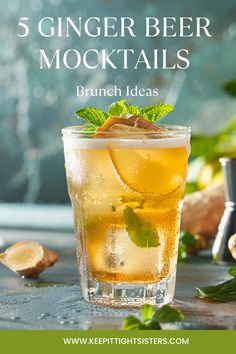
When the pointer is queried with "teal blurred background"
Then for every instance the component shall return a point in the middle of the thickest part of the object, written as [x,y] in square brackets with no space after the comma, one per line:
[36,104]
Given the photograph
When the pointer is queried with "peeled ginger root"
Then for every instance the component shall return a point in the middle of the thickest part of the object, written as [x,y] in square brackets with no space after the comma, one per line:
[28,258]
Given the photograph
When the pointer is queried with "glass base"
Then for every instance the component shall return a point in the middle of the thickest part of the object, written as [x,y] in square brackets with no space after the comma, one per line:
[130,295]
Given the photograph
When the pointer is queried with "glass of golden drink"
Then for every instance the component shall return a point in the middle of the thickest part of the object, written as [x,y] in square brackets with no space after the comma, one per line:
[127,192]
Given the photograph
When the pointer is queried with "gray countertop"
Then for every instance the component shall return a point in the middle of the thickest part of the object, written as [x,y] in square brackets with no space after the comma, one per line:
[54,301]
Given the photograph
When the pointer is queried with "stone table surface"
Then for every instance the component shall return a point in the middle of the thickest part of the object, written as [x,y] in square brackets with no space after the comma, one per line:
[54,301]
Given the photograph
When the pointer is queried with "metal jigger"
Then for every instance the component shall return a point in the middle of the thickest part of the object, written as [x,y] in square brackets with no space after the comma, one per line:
[227,227]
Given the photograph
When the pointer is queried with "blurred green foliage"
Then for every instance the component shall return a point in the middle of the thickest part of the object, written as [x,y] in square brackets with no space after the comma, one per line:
[186,240]
[230,87]
[211,147]
[204,168]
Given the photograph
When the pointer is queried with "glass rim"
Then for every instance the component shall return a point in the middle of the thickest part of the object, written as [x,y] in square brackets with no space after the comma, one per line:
[166,130]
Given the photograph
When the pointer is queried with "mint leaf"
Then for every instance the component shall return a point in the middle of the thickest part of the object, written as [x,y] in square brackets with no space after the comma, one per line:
[92,115]
[168,314]
[156,111]
[88,128]
[146,312]
[120,108]
[117,108]
[134,110]
[131,323]
[162,315]
[223,292]
[153,324]
[232,271]
[140,232]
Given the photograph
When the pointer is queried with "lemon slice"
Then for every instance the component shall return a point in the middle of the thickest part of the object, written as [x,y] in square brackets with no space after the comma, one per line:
[156,171]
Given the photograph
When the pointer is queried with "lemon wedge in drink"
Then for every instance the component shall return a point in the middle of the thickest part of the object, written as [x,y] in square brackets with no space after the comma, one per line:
[158,171]
[147,163]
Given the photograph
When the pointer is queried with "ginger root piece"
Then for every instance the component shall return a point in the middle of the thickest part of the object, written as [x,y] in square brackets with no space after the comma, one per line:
[202,211]
[232,245]
[28,258]
[133,121]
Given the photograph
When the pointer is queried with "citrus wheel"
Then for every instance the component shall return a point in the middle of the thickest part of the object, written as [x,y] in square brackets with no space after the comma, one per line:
[156,171]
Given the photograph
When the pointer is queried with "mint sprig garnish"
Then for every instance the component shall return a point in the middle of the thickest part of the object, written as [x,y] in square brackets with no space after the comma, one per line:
[120,108]
[150,320]
[156,111]
[223,292]
[140,232]
[97,117]
[93,116]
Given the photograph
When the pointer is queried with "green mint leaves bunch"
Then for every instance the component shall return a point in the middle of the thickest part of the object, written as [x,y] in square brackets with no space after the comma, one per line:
[96,117]
[152,320]
[223,292]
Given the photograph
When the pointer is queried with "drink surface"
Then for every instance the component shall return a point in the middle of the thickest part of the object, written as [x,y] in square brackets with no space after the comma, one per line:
[107,177]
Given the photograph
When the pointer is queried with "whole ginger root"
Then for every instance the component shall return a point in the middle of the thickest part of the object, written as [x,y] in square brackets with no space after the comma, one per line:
[202,212]
[232,245]
[28,258]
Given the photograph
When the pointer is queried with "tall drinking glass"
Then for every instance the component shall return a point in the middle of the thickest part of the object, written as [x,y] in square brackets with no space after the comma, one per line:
[126,192]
